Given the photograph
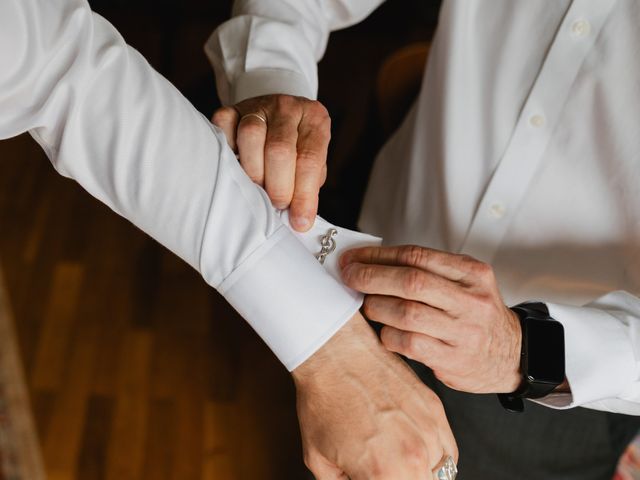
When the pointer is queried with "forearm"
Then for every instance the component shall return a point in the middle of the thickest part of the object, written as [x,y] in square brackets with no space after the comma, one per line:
[109,121]
[272,46]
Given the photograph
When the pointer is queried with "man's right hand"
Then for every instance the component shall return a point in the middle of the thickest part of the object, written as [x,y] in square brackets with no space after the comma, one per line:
[364,415]
[282,144]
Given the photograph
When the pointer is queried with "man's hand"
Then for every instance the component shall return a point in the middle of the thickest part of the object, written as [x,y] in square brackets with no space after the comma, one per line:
[282,144]
[443,310]
[364,415]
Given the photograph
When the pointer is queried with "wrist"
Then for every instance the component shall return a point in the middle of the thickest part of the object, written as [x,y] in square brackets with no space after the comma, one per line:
[513,371]
[542,357]
[354,342]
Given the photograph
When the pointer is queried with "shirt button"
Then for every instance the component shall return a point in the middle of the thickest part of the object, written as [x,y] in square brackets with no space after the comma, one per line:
[580,28]
[497,210]
[536,121]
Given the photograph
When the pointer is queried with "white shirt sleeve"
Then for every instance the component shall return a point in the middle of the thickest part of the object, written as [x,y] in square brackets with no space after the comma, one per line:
[273,46]
[602,350]
[106,119]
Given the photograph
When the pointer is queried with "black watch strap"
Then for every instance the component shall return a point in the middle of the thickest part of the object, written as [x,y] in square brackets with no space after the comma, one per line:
[528,389]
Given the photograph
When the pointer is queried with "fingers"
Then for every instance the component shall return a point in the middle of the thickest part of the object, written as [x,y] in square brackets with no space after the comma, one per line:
[449,442]
[451,266]
[410,316]
[404,282]
[280,158]
[226,118]
[422,348]
[446,440]
[310,174]
[286,154]
[252,134]
[313,142]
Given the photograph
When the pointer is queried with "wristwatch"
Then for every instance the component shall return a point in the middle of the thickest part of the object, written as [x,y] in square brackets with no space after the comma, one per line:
[542,355]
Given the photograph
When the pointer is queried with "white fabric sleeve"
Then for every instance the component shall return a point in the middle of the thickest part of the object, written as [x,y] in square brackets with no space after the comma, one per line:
[273,46]
[106,119]
[602,350]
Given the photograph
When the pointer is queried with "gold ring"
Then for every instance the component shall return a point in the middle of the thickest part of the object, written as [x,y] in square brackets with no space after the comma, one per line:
[257,115]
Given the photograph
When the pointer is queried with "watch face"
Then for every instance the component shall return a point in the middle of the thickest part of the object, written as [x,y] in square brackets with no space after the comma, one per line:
[545,351]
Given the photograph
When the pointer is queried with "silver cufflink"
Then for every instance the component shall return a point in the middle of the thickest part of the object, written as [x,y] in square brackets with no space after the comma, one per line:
[328,245]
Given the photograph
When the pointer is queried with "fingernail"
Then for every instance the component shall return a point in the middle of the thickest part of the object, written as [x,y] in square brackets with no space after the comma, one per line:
[300,222]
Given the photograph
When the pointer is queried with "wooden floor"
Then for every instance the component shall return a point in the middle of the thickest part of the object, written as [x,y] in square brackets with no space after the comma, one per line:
[136,369]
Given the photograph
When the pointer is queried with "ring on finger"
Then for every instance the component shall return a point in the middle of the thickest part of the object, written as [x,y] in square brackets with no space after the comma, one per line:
[256,115]
[446,469]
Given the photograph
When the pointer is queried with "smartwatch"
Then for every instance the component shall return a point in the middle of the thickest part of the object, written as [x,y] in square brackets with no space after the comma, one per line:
[542,356]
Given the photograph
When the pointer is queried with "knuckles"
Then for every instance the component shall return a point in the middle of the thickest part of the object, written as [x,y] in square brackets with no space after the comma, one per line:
[318,114]
[412,255]
[279,196]
[286,103]
[251,129]
[411,313]
[481,270]
[360,275]
[280,148]
[310,159]
[415,457]
[413,282]
[413,345]
[376,469]
[411,458]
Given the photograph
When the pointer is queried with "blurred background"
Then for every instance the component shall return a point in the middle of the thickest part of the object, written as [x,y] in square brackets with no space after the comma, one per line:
[135,368]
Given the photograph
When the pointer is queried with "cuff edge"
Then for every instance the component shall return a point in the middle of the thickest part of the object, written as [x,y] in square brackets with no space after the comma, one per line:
[270,81]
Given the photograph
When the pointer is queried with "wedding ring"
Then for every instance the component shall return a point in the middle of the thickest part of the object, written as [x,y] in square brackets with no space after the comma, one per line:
[257,115]
[446,469]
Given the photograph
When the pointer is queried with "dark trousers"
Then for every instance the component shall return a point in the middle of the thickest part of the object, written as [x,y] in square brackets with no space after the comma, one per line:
[538,444]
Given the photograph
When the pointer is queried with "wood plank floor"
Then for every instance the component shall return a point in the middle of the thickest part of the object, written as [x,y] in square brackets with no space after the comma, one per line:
[136,369]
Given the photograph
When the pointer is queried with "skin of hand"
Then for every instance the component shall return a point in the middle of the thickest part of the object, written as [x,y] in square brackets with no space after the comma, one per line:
[287,154]
[364,415]
[441,309]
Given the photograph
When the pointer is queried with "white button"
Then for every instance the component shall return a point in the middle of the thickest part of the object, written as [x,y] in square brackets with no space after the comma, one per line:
[536,121]
[497,210]
[580,28]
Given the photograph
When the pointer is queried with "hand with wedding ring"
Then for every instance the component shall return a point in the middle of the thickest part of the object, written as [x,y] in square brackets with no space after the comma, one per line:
[282,144]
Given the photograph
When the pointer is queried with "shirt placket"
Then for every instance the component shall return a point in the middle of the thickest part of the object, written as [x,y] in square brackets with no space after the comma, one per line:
[537,121]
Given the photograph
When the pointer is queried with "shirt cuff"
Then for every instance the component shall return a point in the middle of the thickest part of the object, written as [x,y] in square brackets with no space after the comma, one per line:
[600,360]
[256,83]
[292,301]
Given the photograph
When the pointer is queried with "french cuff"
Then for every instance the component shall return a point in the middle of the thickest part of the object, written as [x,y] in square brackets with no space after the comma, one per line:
[292,301]
[256,83]
[599,357]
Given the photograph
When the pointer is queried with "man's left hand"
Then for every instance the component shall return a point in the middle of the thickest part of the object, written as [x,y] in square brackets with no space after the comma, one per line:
[441,309]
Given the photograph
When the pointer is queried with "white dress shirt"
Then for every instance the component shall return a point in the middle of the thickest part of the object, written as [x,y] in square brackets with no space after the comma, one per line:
[523,150]
[106,119]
